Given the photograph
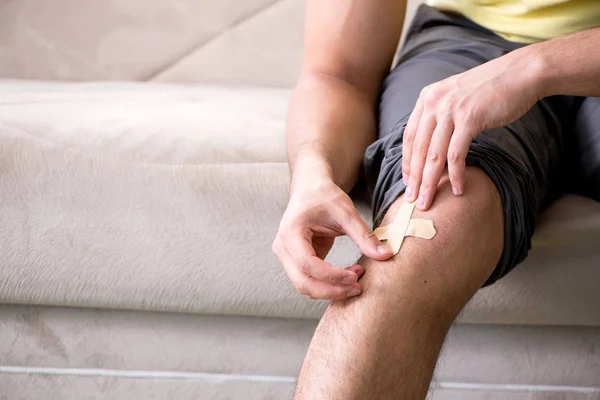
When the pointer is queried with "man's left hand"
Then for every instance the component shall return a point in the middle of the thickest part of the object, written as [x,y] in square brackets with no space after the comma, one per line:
[449,114]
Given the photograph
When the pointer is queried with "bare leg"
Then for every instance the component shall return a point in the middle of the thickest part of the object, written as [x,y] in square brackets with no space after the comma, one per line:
[384,343]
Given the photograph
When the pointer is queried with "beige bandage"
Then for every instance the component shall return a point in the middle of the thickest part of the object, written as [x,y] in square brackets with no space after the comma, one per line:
[403,226]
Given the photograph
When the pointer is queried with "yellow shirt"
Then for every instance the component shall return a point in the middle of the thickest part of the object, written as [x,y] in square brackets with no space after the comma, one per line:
[527,21]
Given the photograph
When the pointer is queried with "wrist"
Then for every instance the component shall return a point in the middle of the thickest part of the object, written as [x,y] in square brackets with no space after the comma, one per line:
[310,170]
[540,70]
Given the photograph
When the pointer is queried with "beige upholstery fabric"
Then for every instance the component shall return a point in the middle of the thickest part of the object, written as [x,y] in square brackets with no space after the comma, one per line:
[121,39]
[251,42]
[164,197]
[58,353]
[153,124]
[248,53]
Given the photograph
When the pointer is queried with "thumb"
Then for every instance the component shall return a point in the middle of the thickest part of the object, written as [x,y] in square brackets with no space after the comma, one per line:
[365,239]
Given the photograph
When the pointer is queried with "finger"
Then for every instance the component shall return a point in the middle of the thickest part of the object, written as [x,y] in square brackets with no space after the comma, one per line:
[408,139]
[354,226]
[435,162]
[419,153]
[299,248]
[457,154]
[312,287]
[359,270]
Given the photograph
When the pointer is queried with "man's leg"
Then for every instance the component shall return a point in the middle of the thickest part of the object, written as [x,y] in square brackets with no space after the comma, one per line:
[384,343]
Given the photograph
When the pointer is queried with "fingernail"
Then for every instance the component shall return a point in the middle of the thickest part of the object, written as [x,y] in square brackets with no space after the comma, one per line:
[409,193]
[383,249]
[455,191]
[421,202]
[349,280]
[353,292]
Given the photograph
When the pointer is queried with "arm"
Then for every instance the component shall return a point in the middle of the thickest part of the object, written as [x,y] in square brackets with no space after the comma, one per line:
[452,112]
[349,46]
[570,65]
[349,49]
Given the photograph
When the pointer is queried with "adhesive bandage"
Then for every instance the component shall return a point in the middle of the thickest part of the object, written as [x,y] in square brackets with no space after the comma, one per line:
[403,225]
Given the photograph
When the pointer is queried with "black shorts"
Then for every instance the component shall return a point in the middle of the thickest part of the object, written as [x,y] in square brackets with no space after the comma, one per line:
[553,149]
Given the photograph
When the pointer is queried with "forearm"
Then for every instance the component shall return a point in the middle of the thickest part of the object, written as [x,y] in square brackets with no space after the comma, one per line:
[569,65]
[331,123]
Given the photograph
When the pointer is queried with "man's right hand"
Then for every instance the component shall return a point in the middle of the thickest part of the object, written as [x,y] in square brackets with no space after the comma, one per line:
[317,213]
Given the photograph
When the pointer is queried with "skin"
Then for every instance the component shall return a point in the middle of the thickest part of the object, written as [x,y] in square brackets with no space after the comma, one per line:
[452,112]
[384,343]
[349,46]
[331,122]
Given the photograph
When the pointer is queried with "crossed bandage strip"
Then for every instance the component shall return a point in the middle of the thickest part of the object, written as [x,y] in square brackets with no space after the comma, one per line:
[403,225]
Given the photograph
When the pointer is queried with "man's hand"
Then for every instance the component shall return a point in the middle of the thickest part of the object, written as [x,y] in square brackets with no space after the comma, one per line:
[317,213]
[349,47]
[449,114]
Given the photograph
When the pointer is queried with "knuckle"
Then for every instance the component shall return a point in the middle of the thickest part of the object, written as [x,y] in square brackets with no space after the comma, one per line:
[367,235]
[461,115]
[282,236]
[427,187]
[455,175]
[326,276]
[433,156]
[302,289]
[304,266]
[415,181]
[275,246]
[455,156]
[294,227]
[456,181]
[432,95]
[418,148]
[445,107]
[465,116]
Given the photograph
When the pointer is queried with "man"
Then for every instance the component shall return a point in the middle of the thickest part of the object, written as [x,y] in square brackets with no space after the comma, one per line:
[489,116]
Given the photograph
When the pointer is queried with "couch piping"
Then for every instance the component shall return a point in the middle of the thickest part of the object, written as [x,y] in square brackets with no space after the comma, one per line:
[204,376]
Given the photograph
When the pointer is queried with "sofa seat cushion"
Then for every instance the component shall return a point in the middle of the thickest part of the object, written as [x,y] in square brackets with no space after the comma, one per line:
[165,197]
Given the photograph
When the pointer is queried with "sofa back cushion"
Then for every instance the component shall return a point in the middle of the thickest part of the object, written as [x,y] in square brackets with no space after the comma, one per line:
[229,42]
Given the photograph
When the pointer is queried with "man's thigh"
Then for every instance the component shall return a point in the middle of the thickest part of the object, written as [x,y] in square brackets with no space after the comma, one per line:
[523,159]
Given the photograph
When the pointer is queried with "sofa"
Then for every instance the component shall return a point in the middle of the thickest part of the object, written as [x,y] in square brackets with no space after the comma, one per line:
[142,178]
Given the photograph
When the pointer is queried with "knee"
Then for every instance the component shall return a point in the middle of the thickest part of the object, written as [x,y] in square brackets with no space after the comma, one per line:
[466,248]
[437,276]
[473,217]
